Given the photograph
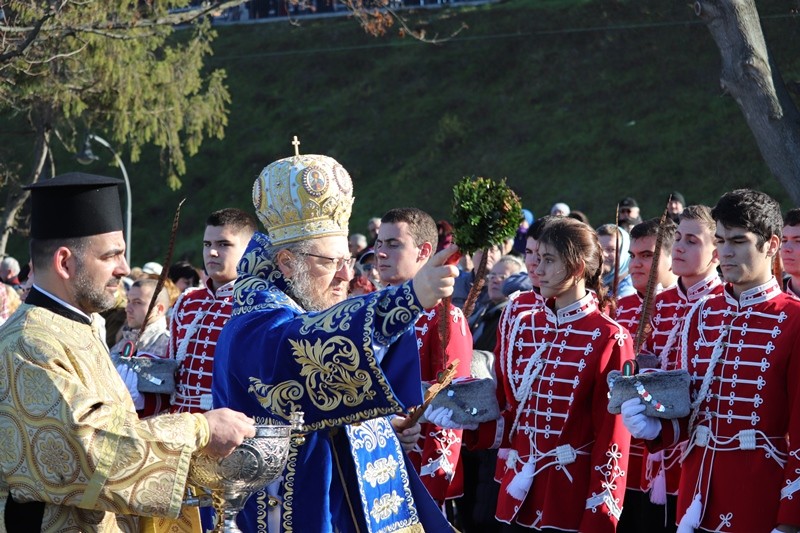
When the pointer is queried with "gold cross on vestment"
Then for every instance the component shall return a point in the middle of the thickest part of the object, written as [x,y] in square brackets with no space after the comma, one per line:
[296,144]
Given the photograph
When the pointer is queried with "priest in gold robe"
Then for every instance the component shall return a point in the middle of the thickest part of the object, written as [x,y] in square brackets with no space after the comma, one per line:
[74,455]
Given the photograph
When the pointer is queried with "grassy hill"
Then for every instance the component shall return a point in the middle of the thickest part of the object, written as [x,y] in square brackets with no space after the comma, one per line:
[576,101]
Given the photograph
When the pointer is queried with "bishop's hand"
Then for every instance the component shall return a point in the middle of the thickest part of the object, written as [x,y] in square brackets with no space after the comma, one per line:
[436,279]
[408,436]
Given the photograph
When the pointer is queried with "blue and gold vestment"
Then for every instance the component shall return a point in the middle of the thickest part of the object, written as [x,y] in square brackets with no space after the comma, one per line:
[348,369]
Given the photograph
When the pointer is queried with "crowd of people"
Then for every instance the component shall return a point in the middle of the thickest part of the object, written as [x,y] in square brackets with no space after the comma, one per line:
[305,315]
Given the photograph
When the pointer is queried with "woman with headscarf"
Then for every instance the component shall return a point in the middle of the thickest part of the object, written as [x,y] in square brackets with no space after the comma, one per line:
[608,233]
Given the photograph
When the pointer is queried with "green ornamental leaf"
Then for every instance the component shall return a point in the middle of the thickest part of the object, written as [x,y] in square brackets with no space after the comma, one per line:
[485,213]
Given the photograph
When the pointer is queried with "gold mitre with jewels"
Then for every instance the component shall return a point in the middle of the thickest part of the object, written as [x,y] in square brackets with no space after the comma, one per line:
[303,197]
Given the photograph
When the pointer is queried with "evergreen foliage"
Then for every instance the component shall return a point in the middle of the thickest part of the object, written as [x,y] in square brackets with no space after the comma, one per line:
[485,213]
[112,68]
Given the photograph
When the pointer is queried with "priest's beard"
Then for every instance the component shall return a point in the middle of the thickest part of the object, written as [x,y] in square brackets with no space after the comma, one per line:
[90,297]
[303,289]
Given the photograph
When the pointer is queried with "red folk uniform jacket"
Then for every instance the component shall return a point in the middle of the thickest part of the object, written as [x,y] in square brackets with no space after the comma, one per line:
[437,457]
[629,309]
[197,321]
[567,466]
[520,302]
[742,461]
[669,310]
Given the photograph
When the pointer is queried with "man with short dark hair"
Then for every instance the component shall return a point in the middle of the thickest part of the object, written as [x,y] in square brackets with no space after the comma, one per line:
[199,313]
[75,456]
[642,251]
[790,251]
[406,242]
[741,468]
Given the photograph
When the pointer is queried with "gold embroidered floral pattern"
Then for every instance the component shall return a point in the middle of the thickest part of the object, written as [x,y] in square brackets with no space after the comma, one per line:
[337,318]
[151,495]
[385,506]
[52,454]
[280,399]
[380,471]
[34,391]
[332,373]
[9,445]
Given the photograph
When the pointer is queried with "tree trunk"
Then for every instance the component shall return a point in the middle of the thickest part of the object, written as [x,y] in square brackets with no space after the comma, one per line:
[17,197]
[754,81]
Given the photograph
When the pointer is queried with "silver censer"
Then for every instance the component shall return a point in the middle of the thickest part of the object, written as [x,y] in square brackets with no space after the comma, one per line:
[253,465]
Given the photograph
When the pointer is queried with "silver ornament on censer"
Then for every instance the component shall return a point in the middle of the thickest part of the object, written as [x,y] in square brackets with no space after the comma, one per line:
[253,465]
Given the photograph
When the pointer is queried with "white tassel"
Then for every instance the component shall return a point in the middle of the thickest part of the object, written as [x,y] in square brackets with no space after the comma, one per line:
[691,520]
[511,457]
[658,483]
[658,488]
[521,484]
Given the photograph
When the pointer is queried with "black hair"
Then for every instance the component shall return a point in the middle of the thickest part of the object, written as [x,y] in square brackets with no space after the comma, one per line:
[649,228]
[792,217]
[42,250]
[236,219]
[535,230]
[183,269]
[752,210]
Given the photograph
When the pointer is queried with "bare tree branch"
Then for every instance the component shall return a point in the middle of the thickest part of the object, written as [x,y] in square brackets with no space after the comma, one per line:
[21,47]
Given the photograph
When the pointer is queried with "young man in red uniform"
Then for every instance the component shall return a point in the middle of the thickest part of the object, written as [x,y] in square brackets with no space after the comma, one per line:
[790,250]
[694,260]
[742,351]
[200,313]
[406,240]
[643,246]
[628,314]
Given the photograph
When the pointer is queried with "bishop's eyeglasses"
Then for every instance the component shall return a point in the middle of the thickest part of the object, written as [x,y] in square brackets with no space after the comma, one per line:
[337,262]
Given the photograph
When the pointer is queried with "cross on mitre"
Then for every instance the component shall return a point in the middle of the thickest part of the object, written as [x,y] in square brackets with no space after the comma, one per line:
[296,144]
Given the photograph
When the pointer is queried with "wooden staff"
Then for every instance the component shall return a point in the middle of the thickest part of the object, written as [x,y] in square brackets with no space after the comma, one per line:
[649,293]
[777,269]
[477,285]
[445,378]
[618,235]
[165,270]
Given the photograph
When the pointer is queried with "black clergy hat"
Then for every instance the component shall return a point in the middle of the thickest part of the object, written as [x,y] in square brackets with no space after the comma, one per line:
[75,205]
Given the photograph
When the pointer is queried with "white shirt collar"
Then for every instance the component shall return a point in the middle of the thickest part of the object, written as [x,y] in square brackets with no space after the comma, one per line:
[62,302]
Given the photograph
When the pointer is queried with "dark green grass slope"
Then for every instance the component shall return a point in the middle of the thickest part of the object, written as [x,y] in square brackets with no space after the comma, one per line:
[581,102]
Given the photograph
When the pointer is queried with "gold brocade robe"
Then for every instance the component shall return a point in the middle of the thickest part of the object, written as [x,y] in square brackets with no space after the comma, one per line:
[70,436]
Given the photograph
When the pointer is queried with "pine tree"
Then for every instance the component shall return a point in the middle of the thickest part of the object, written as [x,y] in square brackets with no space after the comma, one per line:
[117,66]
